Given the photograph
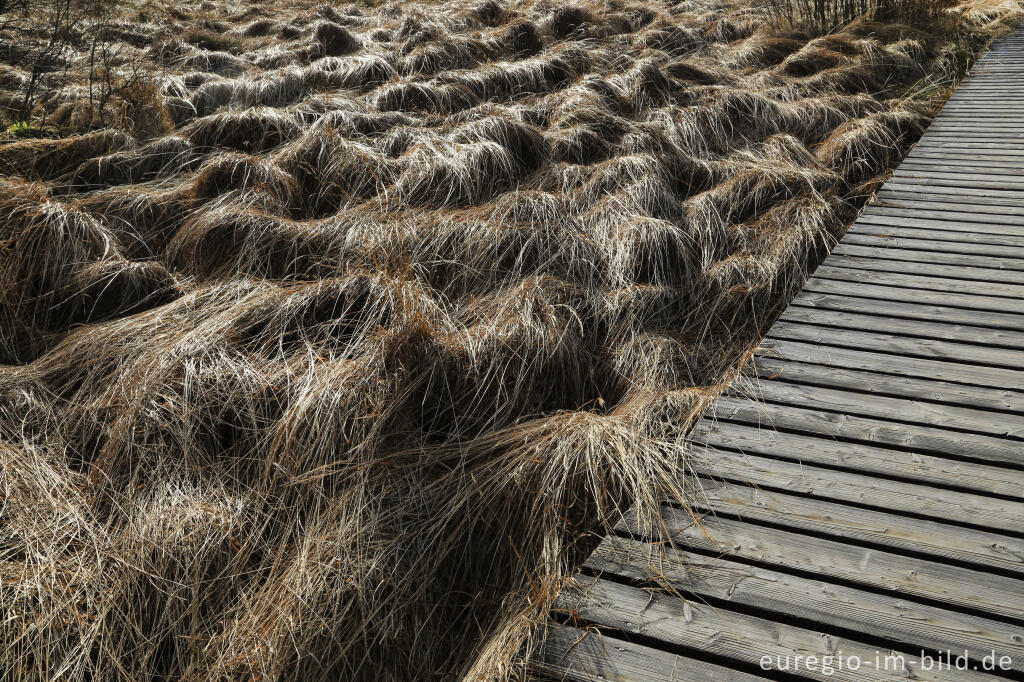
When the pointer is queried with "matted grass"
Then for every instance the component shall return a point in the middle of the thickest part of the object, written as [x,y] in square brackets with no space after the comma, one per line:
[329,361]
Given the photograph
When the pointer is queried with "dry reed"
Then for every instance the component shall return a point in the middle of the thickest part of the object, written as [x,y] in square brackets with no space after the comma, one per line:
[336,379]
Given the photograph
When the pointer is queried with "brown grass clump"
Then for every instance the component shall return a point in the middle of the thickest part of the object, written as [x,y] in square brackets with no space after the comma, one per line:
[326,359]
[333,39]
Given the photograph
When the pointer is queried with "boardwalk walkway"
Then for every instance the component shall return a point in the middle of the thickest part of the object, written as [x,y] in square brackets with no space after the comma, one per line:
[865,486]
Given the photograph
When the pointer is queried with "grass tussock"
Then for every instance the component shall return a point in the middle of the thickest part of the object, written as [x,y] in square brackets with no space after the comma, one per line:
[328,356]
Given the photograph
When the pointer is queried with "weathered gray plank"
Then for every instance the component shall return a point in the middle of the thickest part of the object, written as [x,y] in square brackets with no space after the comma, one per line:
[942,541]
[953,179]
[922,164]
[1000,400]
[850,274]
[813,600]
[981,336]
[1000,134]
[934,230]
[950,187]
[1010,308]
[960,115]
[884,407]
[1012,204]
[991,160]
[807,347]
[910,310]
[958,207]
[924,439]
[968,164]
[968,118]
[924,269]
[584,656]
[949,506]
[725,633]
[986,363]
[880,214]
[1004,252]
[974,121]
[937,151]
[873,569]
[959,142]
[924,256]
[860,458]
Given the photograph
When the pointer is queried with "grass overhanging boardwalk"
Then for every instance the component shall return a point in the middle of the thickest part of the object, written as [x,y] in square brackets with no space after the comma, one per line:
[865,481]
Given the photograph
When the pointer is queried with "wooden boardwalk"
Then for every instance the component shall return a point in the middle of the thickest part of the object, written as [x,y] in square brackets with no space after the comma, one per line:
[865,483]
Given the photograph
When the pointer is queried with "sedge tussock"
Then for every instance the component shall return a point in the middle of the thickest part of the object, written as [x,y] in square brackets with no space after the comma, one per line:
[336,365]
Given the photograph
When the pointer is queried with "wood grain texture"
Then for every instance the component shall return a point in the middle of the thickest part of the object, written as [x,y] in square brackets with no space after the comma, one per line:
[861,482]
[814,601]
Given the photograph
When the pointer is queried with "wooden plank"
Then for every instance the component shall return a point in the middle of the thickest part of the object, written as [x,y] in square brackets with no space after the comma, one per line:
[885,357]
[814,601]
[724,633]
[966,109]
[794,346]
[930,199]
[983,196]
[927,160]
[993,134]
[957,216]
[980,397]
[981,336]
[943,160]
[582,656]
[941,541]
[873,569]
[971,124]
[1011,309]
[949,506]
[1003,252]
[913,437]
[924,269]
[980,117]
[848,273]
[980,120]
[921,152]
[954,178]
[959,142]
[880,406]
[983,479]
[981,114]
[883,407]
[932,150]
[934,230]
[922,256]
[922,164]
[981,98]
[974,124]
[990,366]
[943,194]
[977,119]
[882,215]
[910,310]
[992,92]
[951,141]
[937,138]
[972,127]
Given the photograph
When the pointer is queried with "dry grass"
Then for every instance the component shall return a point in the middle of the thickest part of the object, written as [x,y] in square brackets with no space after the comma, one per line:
[330,368]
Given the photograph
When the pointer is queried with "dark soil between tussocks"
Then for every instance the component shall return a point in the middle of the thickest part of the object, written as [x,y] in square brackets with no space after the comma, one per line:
[328,377]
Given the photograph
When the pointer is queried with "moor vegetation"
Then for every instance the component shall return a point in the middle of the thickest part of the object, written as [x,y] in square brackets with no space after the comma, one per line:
[330,334]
